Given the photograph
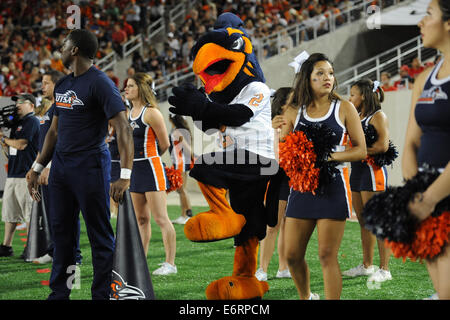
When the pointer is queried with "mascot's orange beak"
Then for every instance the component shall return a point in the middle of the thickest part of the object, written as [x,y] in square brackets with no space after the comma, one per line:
[217,67]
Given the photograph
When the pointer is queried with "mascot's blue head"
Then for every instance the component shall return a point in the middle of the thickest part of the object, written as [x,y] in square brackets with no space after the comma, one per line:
[224,59]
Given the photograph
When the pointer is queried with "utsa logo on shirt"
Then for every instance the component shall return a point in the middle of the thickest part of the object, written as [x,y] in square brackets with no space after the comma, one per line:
[67,100]
[433,94]
[134,125]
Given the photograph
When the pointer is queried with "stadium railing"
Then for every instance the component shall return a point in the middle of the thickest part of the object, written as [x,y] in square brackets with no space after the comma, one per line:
[390,61]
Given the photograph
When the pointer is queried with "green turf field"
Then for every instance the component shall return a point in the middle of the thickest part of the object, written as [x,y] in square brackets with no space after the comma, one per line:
[200,263]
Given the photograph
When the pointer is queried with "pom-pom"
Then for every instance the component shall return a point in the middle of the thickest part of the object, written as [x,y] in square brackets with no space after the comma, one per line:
[381,159]
[387,216]
[175,178]
[303,156]
[431,235]
[298,159]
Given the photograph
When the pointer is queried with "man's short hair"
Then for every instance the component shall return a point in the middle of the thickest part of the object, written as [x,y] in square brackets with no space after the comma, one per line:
[55,75]
[86,42]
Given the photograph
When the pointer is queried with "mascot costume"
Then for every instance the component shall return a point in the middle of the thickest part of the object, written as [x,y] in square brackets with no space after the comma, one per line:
[235,101]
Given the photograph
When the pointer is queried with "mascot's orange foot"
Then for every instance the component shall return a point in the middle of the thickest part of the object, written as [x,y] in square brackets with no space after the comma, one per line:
[236,288]
[209,226]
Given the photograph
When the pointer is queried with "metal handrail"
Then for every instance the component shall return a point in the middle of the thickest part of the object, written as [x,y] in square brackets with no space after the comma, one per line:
[135,42]
[390,61]
[107,61]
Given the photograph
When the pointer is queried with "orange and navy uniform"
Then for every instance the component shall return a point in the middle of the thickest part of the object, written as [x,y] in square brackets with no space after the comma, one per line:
[336,201]
[148,172]
[366,176]
[180,157]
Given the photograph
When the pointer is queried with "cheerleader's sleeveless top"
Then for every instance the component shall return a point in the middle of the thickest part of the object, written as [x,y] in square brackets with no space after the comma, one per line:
[336,201]
[433,117]
[365,176]
[148,170]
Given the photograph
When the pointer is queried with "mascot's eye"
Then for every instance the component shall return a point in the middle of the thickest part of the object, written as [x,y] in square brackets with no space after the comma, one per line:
[238,44]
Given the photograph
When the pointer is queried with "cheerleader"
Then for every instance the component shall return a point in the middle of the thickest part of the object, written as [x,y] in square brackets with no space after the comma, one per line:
[368,179]
[314,102]
[148,180]
[280,185]
[182,159]
[428,133]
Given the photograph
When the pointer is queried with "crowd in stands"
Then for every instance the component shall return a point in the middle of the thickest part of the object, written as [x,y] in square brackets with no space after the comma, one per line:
[31,32]
[408,73]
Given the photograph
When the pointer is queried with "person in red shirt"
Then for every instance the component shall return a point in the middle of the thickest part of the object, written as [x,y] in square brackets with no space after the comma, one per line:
[119,37]
[416,68]
[386,82]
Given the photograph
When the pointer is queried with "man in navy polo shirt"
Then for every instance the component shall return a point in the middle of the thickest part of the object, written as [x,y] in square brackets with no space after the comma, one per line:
[22,146]
[80,175]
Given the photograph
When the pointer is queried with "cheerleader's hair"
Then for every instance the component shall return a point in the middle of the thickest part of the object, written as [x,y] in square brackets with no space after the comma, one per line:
[279,99]
[373,96]
[444,5]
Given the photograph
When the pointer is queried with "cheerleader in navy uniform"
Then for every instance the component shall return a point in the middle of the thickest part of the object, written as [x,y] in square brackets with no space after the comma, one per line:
[281,187]
[182,159]
[428,133]
[315,103]
[148,183]
[368,179]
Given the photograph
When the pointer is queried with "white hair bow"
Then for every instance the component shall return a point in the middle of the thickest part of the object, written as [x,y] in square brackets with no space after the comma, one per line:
[298,61]
[376,84]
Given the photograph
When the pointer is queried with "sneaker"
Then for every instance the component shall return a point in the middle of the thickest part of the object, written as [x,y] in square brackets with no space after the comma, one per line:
[261,275]
[21,226]
[180,220]
[434,296]
[313,296]
[43,260]
[380,275]
[165,269]
[283,274]
[360,271]
[6,251]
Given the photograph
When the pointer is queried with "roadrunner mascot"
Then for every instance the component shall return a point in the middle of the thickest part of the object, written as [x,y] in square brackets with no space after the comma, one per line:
[235,101]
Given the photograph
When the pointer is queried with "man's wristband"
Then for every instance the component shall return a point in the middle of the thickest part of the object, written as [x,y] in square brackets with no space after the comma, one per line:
[3,140]
[125,173]
[37,167]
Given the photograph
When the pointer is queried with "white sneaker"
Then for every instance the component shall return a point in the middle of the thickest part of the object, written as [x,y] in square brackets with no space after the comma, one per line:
[380,275]
[434,296]
[43,260]
[180,220]
[283,274]
[21,226]
[261,275]
[313,296]
[165,269]
[360,271]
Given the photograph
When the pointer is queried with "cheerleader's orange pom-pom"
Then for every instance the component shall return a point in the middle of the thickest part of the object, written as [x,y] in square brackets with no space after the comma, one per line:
[430,237]
[175,178]
[297,158]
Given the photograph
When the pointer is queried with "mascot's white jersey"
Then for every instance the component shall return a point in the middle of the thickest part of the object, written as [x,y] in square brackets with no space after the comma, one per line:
[256,135]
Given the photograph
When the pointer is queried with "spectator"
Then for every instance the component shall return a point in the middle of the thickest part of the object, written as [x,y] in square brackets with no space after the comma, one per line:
[56,62]
[113,77]
[386,82]
[22,146]
[187,46]
[133,15]
[119,37]
[416,68]
[130,73]
[173,42]
[405,79]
